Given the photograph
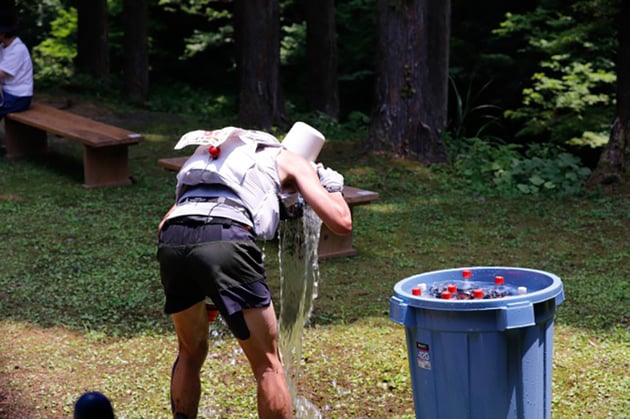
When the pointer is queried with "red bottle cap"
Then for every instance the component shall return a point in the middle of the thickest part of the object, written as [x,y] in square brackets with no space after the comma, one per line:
[466,274]
[478,293]
[452,288]
[446,295]
[416,291]
[499,280]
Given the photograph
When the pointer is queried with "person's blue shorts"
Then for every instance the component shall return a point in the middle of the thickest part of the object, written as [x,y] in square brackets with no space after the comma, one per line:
[213,257]
[12,103]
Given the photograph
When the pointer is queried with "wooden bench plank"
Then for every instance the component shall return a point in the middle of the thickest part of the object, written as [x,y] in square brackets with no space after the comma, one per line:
[105,147]
[330,244]
[173,163]
[74,127]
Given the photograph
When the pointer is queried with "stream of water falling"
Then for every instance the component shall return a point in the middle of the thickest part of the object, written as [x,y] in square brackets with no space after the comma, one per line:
[299,278]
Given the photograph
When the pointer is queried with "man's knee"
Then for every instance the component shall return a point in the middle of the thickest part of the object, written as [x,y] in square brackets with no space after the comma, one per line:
[194,351]
[273,371]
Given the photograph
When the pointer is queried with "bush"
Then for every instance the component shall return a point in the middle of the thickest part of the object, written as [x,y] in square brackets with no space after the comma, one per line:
[53,57]
[501,169]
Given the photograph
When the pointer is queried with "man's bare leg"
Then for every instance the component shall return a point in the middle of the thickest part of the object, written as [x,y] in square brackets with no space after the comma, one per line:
[261,349]
[191,326]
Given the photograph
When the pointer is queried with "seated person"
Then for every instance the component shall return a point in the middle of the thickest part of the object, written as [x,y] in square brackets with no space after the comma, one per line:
[16,69]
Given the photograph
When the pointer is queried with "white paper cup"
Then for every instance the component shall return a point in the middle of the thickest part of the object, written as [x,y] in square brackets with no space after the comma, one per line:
[304,140]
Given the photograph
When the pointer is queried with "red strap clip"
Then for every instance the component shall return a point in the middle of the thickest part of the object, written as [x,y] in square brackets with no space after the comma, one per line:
[214,152]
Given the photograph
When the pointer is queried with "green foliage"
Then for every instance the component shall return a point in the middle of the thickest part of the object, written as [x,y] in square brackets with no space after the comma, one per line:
[194,7]
[357,120]
[566,107]
[572,92]
[468,115]
[53,57]
[218,31]
[293,43]
[356,30]
[222,33]
[501,169]
[201,41]
[548,170]
[189,101]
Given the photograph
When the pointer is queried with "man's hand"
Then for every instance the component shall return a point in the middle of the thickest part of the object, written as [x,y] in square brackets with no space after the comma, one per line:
[330,179]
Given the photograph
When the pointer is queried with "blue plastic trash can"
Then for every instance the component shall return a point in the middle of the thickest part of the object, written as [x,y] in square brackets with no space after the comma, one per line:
[480,358]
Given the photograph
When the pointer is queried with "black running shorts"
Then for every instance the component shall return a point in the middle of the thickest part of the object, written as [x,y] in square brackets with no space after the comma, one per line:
[211,257]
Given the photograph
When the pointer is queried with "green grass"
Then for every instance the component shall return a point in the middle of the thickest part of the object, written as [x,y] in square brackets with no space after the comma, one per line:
[81,302]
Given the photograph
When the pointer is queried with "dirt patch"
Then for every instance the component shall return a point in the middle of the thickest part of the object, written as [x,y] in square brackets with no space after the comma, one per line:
[10,405]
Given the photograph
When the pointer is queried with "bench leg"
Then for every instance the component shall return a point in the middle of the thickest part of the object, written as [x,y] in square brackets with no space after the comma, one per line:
[332,245]
[23,140]
[106,166]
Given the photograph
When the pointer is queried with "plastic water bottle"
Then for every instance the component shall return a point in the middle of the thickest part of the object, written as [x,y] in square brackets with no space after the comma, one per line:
[419,289]
[436,289]
[500,289]
[466,292]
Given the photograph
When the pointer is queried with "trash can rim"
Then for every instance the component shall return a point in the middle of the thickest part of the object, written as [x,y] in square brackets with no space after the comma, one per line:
[553,290]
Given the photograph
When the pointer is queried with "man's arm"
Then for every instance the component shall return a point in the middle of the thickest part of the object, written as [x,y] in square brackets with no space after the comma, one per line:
[331,207]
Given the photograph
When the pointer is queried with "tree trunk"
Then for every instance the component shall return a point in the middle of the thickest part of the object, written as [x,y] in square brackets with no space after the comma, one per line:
[613,169]
[257,27]
[439,32]
[321,57]
[136,50]
[404,120]
[92,31]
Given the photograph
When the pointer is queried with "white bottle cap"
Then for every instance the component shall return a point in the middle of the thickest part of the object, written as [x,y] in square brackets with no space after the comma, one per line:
[304,140]
[422,286]
[522,290]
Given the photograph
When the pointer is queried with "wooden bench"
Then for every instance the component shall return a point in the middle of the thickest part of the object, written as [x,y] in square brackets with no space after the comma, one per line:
[330,244]
[105,155]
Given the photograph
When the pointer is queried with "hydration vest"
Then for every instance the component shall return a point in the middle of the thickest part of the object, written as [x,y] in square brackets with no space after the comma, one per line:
[246,164]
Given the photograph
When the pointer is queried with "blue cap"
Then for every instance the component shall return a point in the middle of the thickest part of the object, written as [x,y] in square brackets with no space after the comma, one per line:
[93,405]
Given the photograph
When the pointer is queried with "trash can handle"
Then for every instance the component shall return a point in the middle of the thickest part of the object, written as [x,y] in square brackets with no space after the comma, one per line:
[398,312]
[515,315]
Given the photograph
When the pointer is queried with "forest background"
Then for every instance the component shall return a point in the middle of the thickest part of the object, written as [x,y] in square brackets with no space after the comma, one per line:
[526,81]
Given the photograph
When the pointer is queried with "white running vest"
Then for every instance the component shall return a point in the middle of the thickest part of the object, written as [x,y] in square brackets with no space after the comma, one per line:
[247,165]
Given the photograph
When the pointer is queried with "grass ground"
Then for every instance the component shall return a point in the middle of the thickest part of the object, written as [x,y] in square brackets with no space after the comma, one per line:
[80,299]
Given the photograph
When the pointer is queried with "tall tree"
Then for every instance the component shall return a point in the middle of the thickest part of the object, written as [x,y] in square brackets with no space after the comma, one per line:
[439,33]
[92,33]
[257,32]
[613,168]
[136,50]
[321,56]
[405,119]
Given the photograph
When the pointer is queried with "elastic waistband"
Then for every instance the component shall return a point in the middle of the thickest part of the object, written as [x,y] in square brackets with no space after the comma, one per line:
[197,220]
